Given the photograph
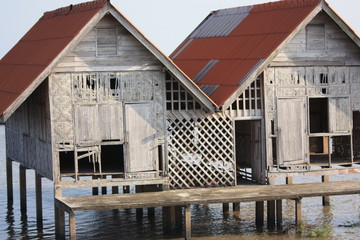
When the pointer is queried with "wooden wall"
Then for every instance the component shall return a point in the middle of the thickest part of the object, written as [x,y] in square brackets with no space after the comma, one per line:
[28,134]
[311,47]
[90,55]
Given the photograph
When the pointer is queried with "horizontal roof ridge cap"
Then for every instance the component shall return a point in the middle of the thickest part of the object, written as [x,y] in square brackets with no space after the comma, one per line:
[284,4]
[85,6]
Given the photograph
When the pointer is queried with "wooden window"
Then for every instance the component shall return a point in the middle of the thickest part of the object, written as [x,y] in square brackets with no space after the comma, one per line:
[249,103]
[177,98]
[87,123]
[340,114]
[106,41]
[315,37]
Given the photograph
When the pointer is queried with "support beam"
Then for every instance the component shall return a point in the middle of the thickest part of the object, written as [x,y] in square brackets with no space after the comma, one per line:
[59,223]
[72,226]
[325,199]
[39,212]
[22,182]
[279,217]
[271,214]
[187,223]
[259,218]
[9,182]
[236,209]
[298,214]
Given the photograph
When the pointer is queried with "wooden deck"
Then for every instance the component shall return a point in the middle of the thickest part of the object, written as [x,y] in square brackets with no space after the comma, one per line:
[257,193]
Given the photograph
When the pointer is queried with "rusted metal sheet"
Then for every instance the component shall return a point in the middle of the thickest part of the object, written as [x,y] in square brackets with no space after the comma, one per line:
[238,40]
[40,46]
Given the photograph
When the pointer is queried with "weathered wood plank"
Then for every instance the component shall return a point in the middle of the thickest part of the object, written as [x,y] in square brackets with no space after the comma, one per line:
[209,195]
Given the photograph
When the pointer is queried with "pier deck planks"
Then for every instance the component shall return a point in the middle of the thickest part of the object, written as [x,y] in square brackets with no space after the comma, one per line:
[207,196]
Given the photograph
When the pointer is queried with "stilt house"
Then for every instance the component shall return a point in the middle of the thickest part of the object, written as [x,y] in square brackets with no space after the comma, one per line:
[83,97]
[285,77]
[264,91]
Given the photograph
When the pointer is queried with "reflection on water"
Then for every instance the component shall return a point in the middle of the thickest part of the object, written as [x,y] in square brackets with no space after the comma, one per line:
[208,222]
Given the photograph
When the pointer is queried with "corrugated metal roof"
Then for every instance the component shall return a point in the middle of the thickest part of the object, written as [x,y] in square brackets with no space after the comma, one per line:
[209,89]
[40,46]
[239,39]
[221,23]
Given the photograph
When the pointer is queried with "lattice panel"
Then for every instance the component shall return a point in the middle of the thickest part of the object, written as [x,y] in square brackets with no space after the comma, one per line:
[201,152]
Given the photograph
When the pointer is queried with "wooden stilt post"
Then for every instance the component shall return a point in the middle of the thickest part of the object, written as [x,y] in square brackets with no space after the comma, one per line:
[289,180]
[39,212]
[59,223]
[225,208]
[72,226]
[236,210]
[271,214]
[22,182]
[139,211]
[325,199]
[115,189]
[279,214]
[259,219]
[104,189]
[271,208]
[178,218]
[298,215]
[9,179]
[187,223]
[95,190]
[126,189]
[169,220]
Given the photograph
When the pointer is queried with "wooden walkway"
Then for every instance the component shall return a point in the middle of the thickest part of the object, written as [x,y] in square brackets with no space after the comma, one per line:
[185,198]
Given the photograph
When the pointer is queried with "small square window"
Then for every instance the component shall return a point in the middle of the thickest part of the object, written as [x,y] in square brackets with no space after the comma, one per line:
[106,41]
[315,37]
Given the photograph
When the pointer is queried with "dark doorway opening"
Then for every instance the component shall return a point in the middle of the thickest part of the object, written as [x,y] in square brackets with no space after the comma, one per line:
[249,164]
[319,119]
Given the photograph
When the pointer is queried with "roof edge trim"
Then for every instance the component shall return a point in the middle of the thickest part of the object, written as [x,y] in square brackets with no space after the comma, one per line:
[44,74]
[341,23]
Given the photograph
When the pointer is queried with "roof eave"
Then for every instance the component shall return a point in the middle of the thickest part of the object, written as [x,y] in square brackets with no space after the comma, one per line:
[257,71]
[166,61]
[16,104]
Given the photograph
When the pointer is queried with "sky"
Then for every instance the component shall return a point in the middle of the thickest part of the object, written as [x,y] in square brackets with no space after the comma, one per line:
[165,22]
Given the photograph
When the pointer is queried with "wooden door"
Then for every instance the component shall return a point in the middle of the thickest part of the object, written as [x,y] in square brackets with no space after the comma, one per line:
[292,141]
[339,114]
[256,159]
[140,131]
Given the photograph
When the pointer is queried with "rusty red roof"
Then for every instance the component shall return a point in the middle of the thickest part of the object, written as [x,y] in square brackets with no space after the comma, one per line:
[231,43]
[30,57]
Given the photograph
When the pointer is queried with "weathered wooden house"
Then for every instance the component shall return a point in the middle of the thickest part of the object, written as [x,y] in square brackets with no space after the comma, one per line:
[285,78]
[83,97]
